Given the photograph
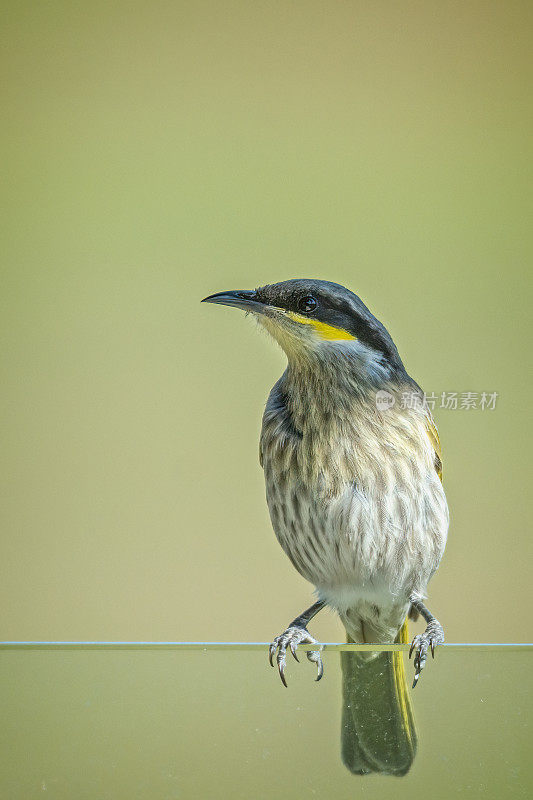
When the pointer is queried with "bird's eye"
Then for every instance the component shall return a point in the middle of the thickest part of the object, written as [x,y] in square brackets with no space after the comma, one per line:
[307,304]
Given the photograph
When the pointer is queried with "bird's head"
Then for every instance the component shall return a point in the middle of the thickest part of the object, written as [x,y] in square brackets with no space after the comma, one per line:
[315,318]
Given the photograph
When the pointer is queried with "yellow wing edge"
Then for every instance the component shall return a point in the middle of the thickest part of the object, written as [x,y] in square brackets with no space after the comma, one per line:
[435,443]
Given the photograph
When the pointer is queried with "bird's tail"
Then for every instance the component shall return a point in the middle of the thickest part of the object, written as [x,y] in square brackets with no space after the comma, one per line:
[378,730]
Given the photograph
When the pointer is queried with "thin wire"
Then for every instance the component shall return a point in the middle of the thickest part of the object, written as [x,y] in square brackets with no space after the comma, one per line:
[103,643]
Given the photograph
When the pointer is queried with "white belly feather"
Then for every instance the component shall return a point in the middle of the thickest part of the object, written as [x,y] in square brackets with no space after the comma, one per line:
[368,528]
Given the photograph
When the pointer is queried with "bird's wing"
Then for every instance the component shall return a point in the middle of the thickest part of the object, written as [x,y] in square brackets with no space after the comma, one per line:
[435,442]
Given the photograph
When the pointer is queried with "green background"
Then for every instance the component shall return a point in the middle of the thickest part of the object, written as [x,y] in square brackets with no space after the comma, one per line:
[157,152]
[175,724]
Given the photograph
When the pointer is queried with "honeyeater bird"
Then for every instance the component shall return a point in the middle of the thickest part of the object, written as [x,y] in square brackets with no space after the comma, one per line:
[352,465]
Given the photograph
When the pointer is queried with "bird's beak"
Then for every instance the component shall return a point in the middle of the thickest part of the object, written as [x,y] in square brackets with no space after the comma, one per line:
[238,298]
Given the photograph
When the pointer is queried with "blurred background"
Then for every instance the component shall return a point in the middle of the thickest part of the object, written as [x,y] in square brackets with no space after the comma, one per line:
[157,152]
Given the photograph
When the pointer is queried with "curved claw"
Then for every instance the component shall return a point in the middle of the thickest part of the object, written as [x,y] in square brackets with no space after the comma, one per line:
[320,668]
[423,643]
[315,657]
[290,639]
[281,667]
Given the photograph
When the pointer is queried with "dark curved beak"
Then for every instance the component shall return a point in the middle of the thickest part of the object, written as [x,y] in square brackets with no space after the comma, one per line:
[239,298]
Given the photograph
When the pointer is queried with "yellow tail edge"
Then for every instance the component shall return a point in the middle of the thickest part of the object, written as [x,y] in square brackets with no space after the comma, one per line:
[400,682]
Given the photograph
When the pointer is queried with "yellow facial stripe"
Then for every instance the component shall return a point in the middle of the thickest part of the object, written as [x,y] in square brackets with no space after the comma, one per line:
[323,330]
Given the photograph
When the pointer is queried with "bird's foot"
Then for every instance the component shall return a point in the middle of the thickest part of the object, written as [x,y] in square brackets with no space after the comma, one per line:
[432,636]
[291,638]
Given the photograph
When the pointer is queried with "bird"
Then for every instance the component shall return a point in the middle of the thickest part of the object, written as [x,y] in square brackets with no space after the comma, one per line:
[353,475]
